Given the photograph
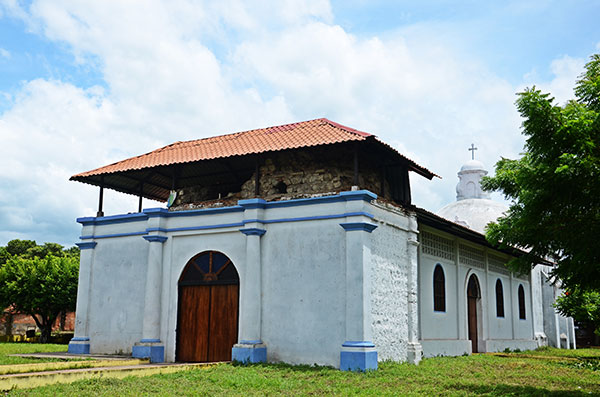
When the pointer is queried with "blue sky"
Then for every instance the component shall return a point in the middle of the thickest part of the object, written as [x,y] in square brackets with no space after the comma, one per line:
[83,84]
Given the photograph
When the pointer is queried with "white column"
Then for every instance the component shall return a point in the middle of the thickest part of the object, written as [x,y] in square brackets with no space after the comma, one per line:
[250,313]
[151,324]
[251,348]
[150,346]
[358,351]
[80,343]
[414,348]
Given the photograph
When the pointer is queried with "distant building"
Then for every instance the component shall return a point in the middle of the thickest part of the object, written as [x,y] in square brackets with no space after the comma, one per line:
[297,243]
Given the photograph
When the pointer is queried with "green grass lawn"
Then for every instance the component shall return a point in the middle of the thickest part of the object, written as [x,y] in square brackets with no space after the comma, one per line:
[26,348]
[539,373]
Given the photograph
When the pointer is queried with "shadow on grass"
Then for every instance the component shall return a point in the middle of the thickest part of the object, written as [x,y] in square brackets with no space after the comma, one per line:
[289,367]
[512,390]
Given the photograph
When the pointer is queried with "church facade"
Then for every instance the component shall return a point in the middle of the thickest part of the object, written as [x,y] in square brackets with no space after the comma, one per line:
[297,244]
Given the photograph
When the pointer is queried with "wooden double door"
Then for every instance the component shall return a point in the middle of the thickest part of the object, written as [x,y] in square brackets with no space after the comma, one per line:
[207,325]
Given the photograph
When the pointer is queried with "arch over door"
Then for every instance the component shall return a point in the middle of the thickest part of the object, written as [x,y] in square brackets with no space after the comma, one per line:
[473,295]
[207,315]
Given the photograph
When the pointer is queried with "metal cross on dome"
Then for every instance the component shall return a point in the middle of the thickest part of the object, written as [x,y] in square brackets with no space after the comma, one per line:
[472,150]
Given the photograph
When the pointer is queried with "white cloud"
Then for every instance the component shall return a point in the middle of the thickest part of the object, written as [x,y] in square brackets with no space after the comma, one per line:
[4,53]
[565,71]
[168,79]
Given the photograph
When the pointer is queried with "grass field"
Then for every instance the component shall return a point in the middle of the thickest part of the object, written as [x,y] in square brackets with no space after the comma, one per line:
[26,348]
[549,372]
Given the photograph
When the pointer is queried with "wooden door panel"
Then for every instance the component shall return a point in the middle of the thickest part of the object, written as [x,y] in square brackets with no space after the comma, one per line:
[472,316]
[223,327]
[192,331]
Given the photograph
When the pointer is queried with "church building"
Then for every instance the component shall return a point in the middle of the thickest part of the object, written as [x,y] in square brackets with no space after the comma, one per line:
[299,244]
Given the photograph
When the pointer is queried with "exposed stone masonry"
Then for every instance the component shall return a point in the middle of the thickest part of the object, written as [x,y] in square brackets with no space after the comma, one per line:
[293,174]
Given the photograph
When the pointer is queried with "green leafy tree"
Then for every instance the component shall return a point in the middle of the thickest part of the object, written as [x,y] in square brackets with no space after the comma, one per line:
[4,255]
[19,247]
[41,251]
[554,187]
[41,288]
[583,306]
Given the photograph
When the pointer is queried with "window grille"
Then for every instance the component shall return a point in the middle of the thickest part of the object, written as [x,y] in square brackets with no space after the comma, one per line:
[521,302]
[471,256]
[435,245]
[499,299]
[439,289]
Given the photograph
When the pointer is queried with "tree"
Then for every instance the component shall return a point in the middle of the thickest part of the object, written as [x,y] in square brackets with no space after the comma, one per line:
[554,187]
[583,306]
[4,255]
[19,247]
[41,288]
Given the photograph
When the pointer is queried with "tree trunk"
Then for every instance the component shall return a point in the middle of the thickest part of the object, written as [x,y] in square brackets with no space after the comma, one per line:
[45,325]
[46,333]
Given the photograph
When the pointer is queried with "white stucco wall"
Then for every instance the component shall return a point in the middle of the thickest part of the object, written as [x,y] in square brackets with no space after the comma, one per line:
[446,333]
[303,258]
[389,284]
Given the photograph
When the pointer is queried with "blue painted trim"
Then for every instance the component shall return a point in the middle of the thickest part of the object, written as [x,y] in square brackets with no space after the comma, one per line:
[253,231]
[358,361]
[310,218]
[156,229]
[361,343]
[248,355]
[113,235]
[365,195]
[242,206]
[150,341]
[155,239]
[80,339]
[164,213]
[86,246]
[253,203]
[156,354]
[362,226]
[251,342]
[78,348]
[235,224]
[113,219]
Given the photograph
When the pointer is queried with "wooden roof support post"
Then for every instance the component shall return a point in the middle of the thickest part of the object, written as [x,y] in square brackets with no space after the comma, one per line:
[382,181]
[256,177]
[101,198]
[355,183]
[141,196]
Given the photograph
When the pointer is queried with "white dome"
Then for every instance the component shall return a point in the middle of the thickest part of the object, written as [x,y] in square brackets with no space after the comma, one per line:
[473,213]
[473,165]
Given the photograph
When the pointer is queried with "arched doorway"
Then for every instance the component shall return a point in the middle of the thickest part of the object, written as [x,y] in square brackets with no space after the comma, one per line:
[207,315]
[473,296]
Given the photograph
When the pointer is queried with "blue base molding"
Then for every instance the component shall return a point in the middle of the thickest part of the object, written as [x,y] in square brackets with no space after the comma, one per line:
[249,353]
[156,353]
[358,361]
[358,356]
[79,345]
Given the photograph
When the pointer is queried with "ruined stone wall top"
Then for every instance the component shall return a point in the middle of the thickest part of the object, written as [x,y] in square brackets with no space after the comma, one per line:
[292,174]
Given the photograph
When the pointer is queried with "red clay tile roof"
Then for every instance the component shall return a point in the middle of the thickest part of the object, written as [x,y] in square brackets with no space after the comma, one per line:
[289,136]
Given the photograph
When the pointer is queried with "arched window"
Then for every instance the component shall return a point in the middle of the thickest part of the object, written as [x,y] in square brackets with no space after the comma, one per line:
[439,289]
[521,302]
[499,299]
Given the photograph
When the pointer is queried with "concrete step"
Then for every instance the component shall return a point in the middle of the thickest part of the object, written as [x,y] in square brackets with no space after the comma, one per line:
[43,378]
[70,364]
